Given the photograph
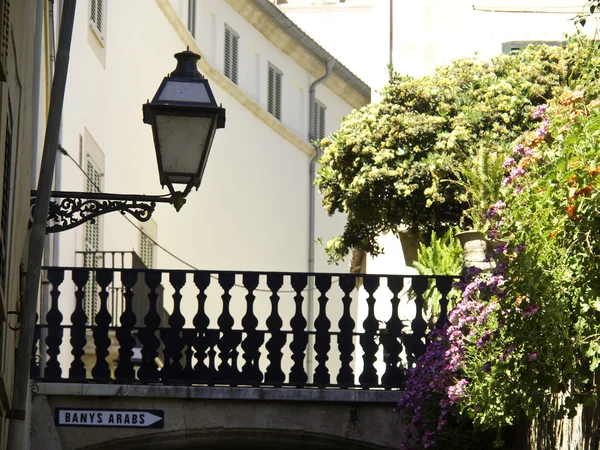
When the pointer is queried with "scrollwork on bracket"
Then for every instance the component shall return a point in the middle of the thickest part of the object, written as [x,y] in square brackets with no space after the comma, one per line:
[71,212]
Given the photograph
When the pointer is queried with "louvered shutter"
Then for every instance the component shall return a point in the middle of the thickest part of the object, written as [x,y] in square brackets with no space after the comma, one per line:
[91,244]
[99,22]
[234,57]
[274,91]
[146,250]
[231,54]
[192,17]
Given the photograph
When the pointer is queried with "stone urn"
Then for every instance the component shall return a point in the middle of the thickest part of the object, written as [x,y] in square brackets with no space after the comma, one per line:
[475,248]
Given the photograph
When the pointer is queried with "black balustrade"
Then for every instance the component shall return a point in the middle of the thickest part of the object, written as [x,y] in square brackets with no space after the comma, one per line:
[237,328]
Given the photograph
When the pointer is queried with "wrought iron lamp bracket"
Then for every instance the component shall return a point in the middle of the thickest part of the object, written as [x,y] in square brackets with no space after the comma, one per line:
[70,209]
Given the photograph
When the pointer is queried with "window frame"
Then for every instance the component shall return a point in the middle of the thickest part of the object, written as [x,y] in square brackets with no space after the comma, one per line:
[275,92]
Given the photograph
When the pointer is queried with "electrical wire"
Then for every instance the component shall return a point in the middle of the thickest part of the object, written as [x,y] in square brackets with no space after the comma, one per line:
[141,230]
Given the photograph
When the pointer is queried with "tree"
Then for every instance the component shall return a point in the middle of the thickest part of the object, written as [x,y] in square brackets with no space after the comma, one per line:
[392,165]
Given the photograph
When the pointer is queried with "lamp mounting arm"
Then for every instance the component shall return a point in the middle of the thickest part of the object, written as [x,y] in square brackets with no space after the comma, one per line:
[70,209]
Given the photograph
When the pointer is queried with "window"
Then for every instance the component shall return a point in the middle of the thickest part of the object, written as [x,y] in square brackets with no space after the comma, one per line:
[91,242]
[274,91]
[146,249]
[318,125]
[191,19]
[510,48]
[97,17]
[231,54]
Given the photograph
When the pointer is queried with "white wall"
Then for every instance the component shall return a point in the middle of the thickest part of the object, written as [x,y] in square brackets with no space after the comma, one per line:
[251,211]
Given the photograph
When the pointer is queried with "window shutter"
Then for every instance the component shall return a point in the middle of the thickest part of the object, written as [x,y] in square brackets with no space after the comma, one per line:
[278,77]
[91,244]
[99,23]
[227,52]
[234,58]
[231,54]
[146,250]
[192,17]
[271,91]
[93,9]
[274,91]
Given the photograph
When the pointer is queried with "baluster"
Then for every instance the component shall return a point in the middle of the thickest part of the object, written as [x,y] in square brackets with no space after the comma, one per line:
[173,369]
[148,371]
[101,370]
[79,320]
[125,370]
[274,375]
[346,324]
[34,363]
[322,336]
[368,342]
[189,337]
[212,339]
[419,325]
[202,372]
[298,376]
[251,373]
[391,339]
[444,286]
[226,372]
[55,330]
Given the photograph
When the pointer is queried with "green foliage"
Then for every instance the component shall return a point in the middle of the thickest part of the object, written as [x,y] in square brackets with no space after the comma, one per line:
[443,256]
[393,165]
[547,326]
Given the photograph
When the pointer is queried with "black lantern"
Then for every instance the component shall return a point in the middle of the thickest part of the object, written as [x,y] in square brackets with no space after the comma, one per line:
[184,117]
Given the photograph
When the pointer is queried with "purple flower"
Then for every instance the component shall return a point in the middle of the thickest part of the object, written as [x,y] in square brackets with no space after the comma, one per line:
[519,248]
[493,234]
[518,149]
[507,353]
[530,311]
[486,367]
[540,111]
[518,189]
[508,162]
[457,391]
[514,173]
[533,356]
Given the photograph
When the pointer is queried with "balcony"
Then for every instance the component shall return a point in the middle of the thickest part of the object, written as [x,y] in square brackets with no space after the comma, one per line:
[235,329]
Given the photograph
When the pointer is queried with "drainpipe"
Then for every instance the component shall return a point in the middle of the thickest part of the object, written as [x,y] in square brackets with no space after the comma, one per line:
[18,413]
[312,134]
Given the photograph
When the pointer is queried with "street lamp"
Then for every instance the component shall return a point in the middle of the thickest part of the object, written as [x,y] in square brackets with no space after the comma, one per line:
[184,117]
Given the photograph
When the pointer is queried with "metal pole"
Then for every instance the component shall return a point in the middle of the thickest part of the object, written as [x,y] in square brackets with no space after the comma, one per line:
[16,432]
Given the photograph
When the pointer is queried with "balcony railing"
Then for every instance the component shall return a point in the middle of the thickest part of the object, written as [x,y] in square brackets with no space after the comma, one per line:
[239,328]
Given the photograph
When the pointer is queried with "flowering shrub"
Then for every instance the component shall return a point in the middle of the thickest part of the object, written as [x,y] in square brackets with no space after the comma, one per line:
[530,327]
[392,164]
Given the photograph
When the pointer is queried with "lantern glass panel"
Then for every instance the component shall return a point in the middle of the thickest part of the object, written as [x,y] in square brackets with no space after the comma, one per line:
[182,144]
[182,91]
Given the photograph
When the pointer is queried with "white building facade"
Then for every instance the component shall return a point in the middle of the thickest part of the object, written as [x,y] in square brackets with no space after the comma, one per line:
[253,209]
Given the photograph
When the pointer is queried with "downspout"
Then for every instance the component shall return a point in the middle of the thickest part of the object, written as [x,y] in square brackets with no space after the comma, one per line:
[312,134]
